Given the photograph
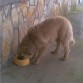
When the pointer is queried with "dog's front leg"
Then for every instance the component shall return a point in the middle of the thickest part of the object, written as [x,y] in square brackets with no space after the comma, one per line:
[36,58]
[40,53]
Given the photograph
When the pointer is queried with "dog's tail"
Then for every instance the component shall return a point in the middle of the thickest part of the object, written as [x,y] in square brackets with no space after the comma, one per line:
[72,42]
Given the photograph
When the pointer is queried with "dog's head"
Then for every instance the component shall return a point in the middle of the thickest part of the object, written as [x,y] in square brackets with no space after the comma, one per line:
[26,49]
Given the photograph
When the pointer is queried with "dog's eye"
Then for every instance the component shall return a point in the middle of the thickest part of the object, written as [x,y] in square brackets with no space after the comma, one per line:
[29,53]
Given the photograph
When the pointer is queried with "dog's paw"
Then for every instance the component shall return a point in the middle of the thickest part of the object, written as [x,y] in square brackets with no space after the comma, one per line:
[63,59]
[33,61]
[37,62]
[54,52]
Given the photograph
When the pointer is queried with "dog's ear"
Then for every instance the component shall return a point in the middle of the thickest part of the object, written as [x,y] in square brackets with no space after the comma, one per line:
[28,53]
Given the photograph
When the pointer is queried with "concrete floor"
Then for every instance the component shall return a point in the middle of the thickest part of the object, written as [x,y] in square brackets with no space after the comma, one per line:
[51,69]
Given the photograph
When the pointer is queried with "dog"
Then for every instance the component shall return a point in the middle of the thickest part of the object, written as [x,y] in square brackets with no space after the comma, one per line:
[39,36]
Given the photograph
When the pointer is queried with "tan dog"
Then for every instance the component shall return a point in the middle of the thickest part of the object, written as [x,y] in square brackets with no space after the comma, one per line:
[57,29]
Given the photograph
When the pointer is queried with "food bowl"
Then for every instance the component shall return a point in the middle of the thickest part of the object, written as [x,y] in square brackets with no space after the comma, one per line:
[21,62]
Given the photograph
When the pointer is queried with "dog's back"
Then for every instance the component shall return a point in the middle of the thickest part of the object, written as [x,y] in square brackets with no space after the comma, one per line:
[51,29]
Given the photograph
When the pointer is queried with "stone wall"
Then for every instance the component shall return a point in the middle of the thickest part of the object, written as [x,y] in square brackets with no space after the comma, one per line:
[17,17]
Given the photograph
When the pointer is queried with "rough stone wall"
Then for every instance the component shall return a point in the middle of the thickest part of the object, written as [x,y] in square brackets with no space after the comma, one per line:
[16,18]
